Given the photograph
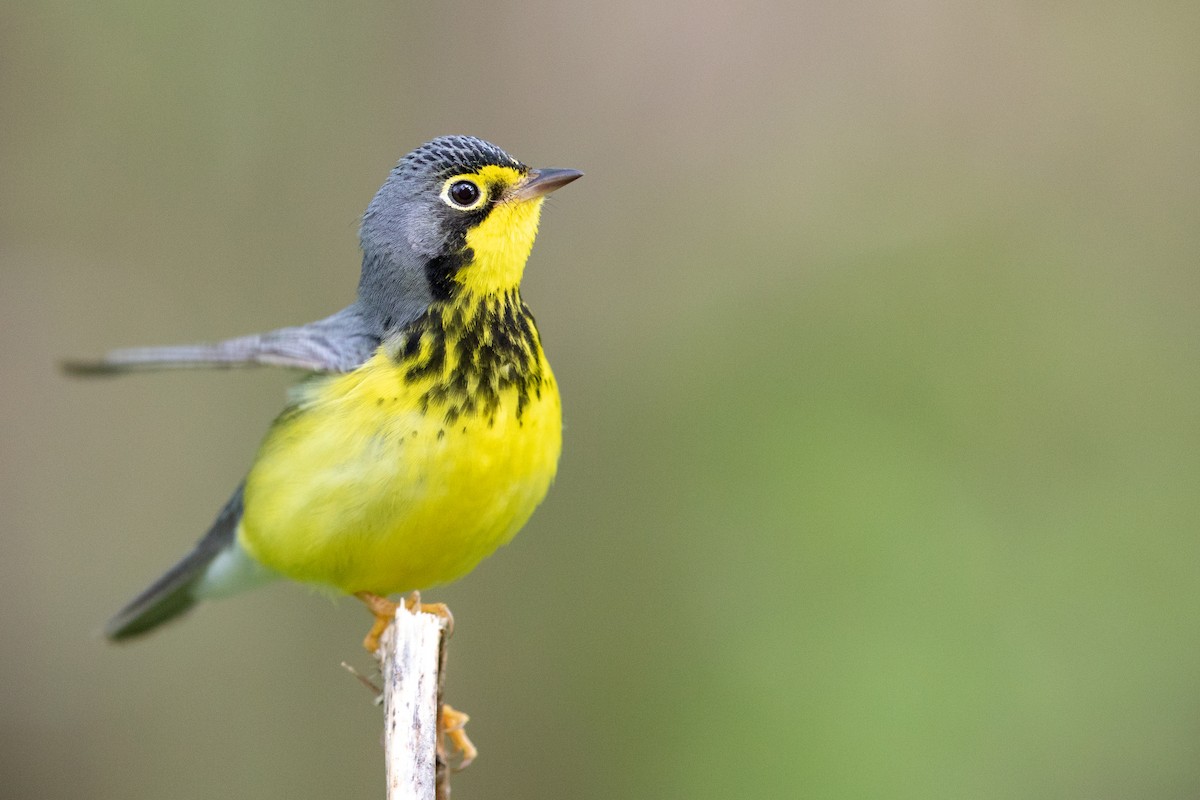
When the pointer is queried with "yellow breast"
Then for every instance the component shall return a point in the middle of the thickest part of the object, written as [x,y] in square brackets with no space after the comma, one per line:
[410,470]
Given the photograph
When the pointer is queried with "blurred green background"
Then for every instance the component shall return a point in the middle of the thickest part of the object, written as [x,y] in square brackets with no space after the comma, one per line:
[877,328]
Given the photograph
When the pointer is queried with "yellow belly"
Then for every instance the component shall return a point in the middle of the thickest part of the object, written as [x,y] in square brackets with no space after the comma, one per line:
[360,489]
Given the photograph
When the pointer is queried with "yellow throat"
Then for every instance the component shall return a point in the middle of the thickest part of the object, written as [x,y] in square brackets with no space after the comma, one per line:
[502,242]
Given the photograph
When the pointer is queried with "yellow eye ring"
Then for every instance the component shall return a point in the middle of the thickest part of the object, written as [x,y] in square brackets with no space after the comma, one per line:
[463,194]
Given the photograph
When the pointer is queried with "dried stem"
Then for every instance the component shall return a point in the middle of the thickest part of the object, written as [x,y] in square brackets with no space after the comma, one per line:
[413,655]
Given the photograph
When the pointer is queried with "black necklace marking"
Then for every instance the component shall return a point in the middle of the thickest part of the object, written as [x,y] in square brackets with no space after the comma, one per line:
[495,345]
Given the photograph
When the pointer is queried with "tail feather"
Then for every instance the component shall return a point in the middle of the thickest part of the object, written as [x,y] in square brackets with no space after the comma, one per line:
[176,591]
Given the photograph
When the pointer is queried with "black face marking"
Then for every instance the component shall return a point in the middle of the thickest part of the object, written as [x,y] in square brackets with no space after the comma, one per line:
[496,352]
[467,202]
[440,272]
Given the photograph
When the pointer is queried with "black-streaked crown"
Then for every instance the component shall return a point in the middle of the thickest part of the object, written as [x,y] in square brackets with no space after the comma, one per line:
[449,155]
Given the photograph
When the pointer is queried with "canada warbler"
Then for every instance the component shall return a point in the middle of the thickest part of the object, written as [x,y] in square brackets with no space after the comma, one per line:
[430,427]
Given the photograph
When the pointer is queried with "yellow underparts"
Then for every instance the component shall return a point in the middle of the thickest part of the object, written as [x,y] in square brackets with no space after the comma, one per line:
[359,489]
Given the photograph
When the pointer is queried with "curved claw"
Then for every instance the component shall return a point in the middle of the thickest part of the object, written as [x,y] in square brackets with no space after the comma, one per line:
[384,611]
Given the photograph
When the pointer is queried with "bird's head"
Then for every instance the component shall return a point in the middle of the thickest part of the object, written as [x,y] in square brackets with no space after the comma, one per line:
[456,215]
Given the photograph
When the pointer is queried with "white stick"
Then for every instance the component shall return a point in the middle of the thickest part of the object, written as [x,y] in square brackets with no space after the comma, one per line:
[411,658]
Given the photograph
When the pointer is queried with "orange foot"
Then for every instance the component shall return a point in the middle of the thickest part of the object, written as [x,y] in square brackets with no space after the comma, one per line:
[385,612]
[452,725]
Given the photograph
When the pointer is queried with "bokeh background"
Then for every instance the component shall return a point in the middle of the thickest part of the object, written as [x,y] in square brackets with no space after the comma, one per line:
[877,327]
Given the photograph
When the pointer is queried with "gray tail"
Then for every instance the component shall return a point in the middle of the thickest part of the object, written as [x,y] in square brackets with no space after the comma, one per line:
[175,592]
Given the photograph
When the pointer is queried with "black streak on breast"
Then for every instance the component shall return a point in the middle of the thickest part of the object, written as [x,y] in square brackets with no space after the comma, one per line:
[496,347]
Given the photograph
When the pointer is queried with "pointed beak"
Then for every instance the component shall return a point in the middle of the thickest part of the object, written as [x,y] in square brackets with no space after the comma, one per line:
[541,182]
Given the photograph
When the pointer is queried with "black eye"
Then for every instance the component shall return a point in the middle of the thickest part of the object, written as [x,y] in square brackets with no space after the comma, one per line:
[464,193]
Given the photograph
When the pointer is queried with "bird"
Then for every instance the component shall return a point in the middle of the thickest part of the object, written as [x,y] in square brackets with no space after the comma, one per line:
[429,425]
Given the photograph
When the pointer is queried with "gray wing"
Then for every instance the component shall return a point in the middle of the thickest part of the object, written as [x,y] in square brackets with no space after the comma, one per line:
[339,343]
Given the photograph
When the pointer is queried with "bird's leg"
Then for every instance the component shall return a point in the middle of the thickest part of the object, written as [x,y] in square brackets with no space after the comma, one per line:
[452,725]
[385,611]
